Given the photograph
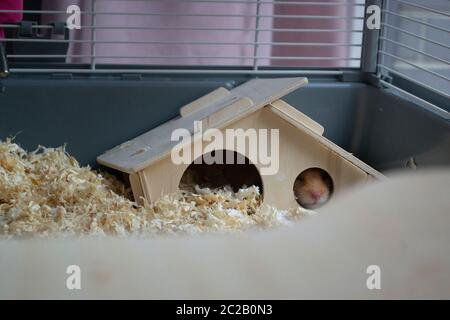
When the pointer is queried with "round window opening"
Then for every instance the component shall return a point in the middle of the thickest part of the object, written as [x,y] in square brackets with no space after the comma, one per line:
[313,188]
[235,171]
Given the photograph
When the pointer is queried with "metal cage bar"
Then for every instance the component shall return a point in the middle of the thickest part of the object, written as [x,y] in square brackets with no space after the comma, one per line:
[15,26]
[282,37]
[414,48]
[268,38]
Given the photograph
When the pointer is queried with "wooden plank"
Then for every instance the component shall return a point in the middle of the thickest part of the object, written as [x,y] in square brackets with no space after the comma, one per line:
[284,109]
[137,154]
[238,107]
[161,178]
[136,186]
[145,186]
[205,101]
[331,146]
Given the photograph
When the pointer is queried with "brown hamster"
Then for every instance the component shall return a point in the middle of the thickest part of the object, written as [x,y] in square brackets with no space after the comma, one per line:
[313,188]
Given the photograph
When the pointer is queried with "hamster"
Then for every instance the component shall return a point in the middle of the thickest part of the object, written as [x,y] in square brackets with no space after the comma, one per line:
[313,188]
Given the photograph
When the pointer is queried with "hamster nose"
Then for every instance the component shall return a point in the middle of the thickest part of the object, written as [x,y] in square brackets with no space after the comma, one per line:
[316,195]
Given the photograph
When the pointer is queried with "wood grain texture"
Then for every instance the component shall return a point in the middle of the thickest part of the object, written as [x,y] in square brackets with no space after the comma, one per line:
[205,101]
[136,187]
[136,154]
[300,148]
[285,110]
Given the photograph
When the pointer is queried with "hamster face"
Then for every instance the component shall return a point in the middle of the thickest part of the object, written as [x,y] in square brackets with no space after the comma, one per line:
[313,188]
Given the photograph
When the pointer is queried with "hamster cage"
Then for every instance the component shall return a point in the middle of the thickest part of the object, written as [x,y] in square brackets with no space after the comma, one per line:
[382,94]
[95,73]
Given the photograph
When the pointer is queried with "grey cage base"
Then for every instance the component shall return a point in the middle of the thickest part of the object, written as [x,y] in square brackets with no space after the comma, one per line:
[93,115]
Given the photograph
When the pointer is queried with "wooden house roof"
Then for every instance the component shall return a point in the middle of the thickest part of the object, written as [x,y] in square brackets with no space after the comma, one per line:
[228,106]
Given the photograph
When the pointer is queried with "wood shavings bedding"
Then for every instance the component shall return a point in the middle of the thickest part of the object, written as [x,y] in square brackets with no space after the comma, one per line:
[46,193]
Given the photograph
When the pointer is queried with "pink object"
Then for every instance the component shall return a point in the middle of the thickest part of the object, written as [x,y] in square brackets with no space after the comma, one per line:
[187,22]
[193,15]
[10,17]
[311,37]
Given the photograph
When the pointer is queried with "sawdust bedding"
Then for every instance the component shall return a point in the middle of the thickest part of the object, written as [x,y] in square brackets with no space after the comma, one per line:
[46,193]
